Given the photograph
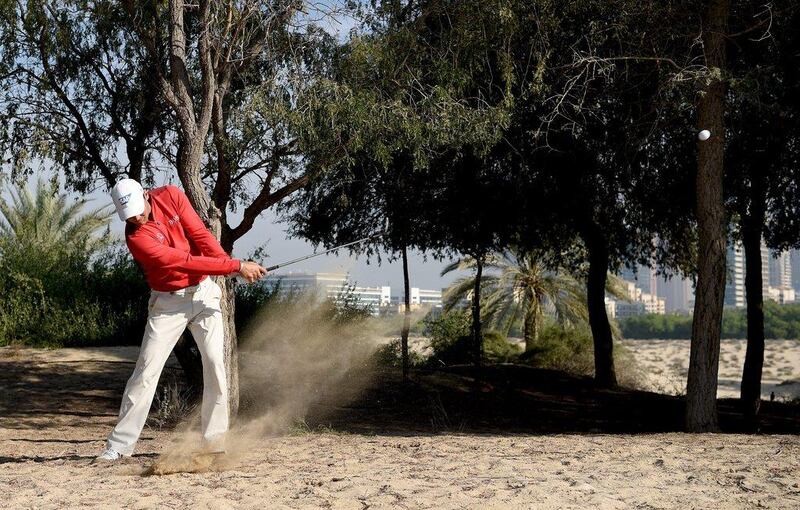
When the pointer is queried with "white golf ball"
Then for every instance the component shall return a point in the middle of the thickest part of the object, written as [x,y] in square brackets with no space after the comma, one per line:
[704,135]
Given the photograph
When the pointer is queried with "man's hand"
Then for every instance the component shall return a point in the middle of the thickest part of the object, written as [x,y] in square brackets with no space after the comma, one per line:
[251,271]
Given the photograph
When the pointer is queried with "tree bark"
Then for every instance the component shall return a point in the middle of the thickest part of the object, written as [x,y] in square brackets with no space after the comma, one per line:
[477,338]
[228,305]
[701,387]
[530,320]
[604,372]
[752,226]
[194,123]
[407,316]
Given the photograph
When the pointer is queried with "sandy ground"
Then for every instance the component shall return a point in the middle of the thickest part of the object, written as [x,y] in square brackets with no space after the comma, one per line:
[57,406]
[666,363]
[323,470]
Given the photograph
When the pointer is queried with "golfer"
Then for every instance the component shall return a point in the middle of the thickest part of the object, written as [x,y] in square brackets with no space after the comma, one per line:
[177,253]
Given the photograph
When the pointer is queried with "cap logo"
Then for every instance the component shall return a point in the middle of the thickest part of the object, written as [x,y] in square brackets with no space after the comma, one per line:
[124,199]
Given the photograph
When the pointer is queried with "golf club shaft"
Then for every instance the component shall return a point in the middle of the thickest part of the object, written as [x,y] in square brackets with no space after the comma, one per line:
[294,261]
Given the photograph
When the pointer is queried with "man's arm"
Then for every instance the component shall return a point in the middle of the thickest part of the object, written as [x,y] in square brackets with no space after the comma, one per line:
[194,226]
[149,252]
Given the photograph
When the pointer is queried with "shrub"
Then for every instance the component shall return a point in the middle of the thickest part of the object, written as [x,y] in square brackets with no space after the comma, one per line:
[69,299]
[391,355]
[570,350]
[451,341]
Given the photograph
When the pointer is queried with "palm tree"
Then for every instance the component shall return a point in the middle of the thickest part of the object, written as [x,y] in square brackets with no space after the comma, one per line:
[521,287]
[46,222]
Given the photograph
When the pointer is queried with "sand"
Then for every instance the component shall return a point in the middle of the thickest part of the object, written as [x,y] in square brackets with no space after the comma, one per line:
[666,363]
[323,470]
[48,439]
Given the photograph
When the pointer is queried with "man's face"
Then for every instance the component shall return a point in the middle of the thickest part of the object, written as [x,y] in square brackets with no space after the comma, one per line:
[142,218]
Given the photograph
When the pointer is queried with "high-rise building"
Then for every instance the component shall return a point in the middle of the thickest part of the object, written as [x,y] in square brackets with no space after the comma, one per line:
[643,277]
[780,269]
[677,292]
[764,269]
[735,291]
[734,286]
[795,261]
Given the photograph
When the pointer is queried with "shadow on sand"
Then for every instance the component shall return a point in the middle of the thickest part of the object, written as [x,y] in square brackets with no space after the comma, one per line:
[521,399]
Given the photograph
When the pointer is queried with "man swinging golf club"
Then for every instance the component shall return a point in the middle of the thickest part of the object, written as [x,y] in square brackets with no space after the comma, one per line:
[177,253]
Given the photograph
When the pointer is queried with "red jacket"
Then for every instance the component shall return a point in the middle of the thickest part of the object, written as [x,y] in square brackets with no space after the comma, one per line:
[174,248]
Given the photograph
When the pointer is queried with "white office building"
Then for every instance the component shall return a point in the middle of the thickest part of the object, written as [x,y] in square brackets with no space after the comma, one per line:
[639,303]
[419,298]
[331,286]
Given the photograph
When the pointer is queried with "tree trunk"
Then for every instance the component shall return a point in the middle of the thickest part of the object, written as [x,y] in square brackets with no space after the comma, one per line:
[752,227]
[407,317]
[530,321]
[228,305]
[477,339]
[604,373]
[701,387]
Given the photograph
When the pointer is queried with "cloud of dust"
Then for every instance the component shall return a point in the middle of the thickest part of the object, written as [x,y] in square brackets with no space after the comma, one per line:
[299,360]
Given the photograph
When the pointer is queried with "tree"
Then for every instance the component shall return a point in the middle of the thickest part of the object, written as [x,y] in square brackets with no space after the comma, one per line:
[51,251]
[77,93]
[44,222]
[761,165]
[404,95]
[522,289]
[228,80]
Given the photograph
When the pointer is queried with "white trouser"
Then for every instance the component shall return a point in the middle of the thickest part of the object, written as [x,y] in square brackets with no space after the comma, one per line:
[168,316]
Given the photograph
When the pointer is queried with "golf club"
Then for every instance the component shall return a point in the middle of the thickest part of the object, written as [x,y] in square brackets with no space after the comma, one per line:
[300,259]
[312,255]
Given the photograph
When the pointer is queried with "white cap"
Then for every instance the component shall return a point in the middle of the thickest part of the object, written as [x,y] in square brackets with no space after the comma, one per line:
[128,197]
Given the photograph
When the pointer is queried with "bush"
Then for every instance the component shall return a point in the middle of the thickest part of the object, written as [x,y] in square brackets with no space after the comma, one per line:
[451,341]
[391,355]
[572,350]
[567,349]
[70,300]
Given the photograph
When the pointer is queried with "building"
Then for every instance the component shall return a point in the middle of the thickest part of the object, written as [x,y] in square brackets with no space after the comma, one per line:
[780,269]
[735,292]
[644,277]
[419,298]
[639,303]
[734,283]
[795,261]
[782,295]
[334,286]
[611,308]
[677,292]
[625,309]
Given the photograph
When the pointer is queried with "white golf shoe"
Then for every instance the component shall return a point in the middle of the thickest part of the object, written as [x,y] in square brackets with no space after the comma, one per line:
[109,455]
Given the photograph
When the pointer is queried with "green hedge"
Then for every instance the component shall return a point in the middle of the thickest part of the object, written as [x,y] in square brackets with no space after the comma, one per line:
[780,322]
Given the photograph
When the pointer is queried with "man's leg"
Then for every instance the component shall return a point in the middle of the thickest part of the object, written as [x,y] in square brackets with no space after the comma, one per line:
[164,327]
[208,331]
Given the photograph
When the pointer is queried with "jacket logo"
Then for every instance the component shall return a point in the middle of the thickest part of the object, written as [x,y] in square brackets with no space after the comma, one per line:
[173,220]
[160,237]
